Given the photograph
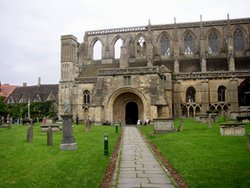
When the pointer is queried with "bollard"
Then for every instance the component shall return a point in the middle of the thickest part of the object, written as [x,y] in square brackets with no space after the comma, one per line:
[116,128]
[106,145]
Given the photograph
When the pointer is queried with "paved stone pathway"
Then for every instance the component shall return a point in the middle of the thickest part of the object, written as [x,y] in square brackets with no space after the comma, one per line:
[138,166]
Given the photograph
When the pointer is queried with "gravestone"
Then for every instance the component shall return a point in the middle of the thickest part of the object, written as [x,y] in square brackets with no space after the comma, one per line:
[49,137]
[209,121]
[30,133]
[68,140]
[163,125]
[180,127]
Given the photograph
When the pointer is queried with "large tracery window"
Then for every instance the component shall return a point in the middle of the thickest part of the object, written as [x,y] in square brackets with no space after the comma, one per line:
[188,44]
[213,43]
[238,40]
[222,94]
[86,97]
[165,46]
[190,95]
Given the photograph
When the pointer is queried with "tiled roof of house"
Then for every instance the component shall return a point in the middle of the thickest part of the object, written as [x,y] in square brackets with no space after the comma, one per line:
[6,90]
[34,93]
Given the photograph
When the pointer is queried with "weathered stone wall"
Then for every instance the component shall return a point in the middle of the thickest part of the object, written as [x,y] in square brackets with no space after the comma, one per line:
[156,82]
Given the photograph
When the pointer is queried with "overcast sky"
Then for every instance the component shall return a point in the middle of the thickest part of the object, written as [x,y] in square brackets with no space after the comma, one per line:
[31,29]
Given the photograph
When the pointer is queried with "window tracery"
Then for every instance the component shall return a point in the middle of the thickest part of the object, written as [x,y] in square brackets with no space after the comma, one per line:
[213,43]
[165,46]
[238,39]
[188,44]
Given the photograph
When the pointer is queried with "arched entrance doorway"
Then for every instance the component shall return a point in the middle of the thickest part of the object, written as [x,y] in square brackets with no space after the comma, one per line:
[131,113]
[128,108]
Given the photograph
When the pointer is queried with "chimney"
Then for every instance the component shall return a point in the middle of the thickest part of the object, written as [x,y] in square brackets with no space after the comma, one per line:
[39,81]
[24,84]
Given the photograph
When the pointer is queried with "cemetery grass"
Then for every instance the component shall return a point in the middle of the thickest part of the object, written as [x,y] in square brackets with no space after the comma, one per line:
[203,157]
[38,165]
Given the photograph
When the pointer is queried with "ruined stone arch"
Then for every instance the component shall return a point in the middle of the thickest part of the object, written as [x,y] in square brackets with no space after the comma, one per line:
[113,43]
[133,95]
[140,50]
[220,39]
[92,44]
[164,33]
[193,46]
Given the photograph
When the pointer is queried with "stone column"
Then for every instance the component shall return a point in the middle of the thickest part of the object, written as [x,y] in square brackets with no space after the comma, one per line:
[204,96]
[68,140]
[177,98]
[233,84]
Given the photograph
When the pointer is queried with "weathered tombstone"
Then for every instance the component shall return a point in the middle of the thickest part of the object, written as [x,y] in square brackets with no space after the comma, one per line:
[68,140]
[209,121]
[88,124]
[180,127]
[21,121]
[163,125]
[30,133]
[248,141]
[49,137]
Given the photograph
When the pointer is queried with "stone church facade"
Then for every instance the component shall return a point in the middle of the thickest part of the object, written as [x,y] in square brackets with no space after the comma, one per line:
[164,71]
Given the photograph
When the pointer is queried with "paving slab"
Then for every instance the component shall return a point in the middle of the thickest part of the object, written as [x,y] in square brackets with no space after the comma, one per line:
[138,165]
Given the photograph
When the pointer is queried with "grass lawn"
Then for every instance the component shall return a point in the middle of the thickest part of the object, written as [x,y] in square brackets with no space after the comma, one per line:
[203,157]
[35,164]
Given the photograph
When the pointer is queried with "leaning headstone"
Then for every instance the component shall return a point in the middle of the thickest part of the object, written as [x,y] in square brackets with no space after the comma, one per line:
[2,120]
[49,137]
[30,133]
[180,127]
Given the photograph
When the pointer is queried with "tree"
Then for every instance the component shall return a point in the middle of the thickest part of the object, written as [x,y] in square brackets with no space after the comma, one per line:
[3,107]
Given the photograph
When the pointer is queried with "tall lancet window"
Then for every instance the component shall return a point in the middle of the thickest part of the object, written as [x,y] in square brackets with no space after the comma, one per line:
[213,43]
[165,46]
[238,40]
[188,44]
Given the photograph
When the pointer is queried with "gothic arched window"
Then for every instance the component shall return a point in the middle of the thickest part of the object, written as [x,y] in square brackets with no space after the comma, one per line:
[141,46]
[238,40]
[118,45]
[222,94]
[190,94]
[86,97]
[188,44]
[97,50]
[213,43]
[165,46]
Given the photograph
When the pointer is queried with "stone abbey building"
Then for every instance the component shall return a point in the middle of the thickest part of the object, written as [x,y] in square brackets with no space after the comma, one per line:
[163,71]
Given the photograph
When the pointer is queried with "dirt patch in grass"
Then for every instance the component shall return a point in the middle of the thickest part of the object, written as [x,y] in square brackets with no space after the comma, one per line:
[107,179]
[177,177]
